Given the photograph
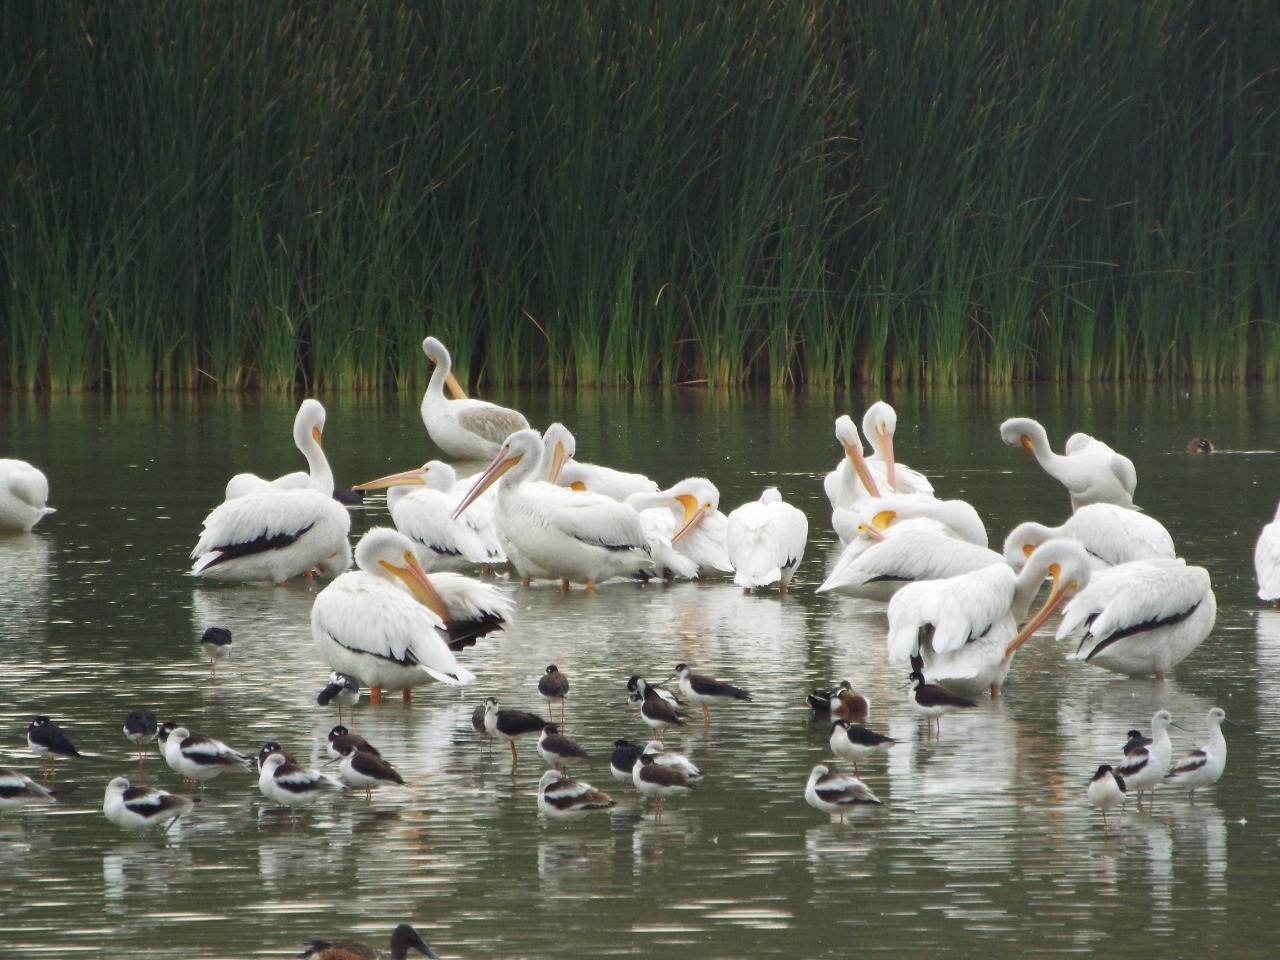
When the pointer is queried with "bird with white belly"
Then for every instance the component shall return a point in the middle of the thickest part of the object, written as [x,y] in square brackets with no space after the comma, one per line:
[1266,561]
[463,428]
[765,540]
[1090,470]
[24,495]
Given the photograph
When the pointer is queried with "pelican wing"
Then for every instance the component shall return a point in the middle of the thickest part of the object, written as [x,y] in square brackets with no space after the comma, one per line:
[487,420]
[597,519]
[950,612]
[912,551]
[1131,597]
[425,516]
[762,538]
[1266,562]
[1116,535]
[261,521]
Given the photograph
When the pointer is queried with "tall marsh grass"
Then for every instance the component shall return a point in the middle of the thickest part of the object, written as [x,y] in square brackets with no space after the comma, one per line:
[273,193]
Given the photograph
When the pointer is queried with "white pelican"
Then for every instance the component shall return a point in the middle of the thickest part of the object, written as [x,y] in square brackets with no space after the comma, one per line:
[956,518]
[966,628]
[559,450]
[462,428]
[574,537]
[660,518]
[366,624]
[1111,535]
[1090,470]
[470,609]
[852,479]
[703,528]
[308,431]
[273,535]
[421,503]
[1141,617]
[878,425]
[1266,561]
[24,491]
[765,540]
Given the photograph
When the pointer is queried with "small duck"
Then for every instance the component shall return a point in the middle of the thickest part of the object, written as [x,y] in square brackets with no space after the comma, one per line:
[403,939]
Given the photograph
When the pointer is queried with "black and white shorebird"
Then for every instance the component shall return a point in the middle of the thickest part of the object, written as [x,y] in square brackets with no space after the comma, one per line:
[342,690]
[48,742]
[510,724]
[268,749]
[403,939]
[660,782]
[293,785]
[215,642]
[1106,790]
[656,710]
[1135,739]
[564,799]
[834,792]
[701,689]
[624,758]
[635,683]
[368,770]
[17,790]
[553,687]
[140,727]
[935,701]
[672,758]
[557,749]
[137,808]
[340,738]
[855,743]
[196,756]
[1204,766]
[1144,767]
[477,724]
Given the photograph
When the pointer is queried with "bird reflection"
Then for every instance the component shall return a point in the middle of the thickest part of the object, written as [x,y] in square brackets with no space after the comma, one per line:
[129,870]
[570,866]
[660,844]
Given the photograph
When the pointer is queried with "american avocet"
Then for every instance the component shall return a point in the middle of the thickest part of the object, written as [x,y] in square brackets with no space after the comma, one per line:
[292,785]
[342,690]
[836,792]
[672,758]
[704,690]
[655,780]
[1145,766]
[553,687]
[557,749]
[17,789]
[48,742]
[510,724]
[1090,470]
[564,799]
[140,726]
[935,701]
[765,540]
[854,743]
[403,939]
[215,642]
[363,769]
[1203,767]
[633,688]
[1106,789]
[623,760]
[136,808]
[198,757]
[340,738]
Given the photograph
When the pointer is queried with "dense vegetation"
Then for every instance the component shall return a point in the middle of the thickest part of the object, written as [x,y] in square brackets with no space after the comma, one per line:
[267,193]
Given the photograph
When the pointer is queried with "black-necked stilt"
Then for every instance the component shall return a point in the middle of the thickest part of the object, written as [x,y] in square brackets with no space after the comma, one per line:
[368,770]
[635,683]
[198,757]
[215,642]
[48,742]
[140,727]
[1106,789]
[564,799]
[510,724]
[136,808]
[672,758]
[1203,767]
[854,743]
[340,738]
[704,690]
[342,690]
[1145,766]
[836,792]
[557,749]
[553,687]
[655,780]
[17,789]
[403,939]
[655,709]
[268,749]
[623,760]
[292,785]
[935,701]
[1135,739]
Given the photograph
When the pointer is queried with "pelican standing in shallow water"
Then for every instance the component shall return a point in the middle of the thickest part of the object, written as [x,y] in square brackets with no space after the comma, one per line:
[966,627]
[765,540]
[1111,535]
[1143,617]
[463,428]
[24,492]
[573,537]
[308,432]
[378,623]
[1090,470]
[1266,561]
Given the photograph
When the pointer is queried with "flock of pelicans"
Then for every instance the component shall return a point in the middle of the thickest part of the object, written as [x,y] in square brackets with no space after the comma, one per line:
[957,610]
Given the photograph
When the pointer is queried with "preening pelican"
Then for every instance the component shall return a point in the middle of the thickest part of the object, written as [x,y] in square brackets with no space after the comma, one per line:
[852,479]
[462,428]
[377,624]
[274,535]
[308,431]
[1266,561]
[549,531]
[878,426]
[765,540]
[1141,617]
[684,520]
[421,503]
[1090,470]
[966,627]
[559,449]
[1111,535]
[24,492]
[857,477]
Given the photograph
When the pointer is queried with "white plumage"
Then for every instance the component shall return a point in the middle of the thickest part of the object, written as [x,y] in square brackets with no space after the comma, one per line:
[1110,534]
[24,495]
[765,540]
[1266,561]
[559,449]
[308,432]
[1145,765]
[1203,767]
[1090,470]
[289,784]
[463,428]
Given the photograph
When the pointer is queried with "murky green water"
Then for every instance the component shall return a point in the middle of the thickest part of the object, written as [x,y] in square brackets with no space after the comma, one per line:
[985,843]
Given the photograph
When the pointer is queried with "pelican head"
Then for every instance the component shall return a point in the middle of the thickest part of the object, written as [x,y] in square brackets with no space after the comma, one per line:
[1024,432]
[308,425]
[851,442]
[437,354]
[558,447]
[699,497]
[879,423]
[388,553]
[1066,564]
